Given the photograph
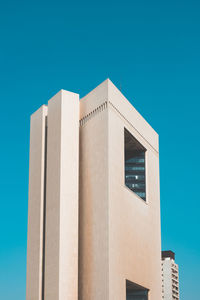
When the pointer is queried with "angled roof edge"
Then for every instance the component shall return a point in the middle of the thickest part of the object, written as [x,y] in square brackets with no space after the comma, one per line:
[107,91]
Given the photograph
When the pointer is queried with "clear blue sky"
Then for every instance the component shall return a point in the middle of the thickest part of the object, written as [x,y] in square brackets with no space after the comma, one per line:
[149,48]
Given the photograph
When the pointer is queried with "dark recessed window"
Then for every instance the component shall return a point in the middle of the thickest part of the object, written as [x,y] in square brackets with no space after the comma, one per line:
[135,291]
[134,165]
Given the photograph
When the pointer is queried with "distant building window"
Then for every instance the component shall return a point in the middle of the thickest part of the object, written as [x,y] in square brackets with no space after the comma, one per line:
[134,162]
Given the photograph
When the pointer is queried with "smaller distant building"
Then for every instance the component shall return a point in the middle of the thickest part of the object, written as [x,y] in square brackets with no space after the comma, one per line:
[170,276]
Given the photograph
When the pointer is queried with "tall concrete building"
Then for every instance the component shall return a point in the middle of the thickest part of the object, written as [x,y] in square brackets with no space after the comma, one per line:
[94,200]
[170,276]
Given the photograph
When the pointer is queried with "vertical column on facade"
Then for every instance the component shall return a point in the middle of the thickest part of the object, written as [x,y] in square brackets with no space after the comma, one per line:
[61,245]
[36,205]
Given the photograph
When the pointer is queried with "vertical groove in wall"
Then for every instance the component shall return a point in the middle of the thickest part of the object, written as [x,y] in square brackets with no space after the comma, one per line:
[44,210]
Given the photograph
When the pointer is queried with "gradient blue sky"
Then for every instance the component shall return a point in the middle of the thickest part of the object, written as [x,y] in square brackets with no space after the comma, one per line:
[149,48]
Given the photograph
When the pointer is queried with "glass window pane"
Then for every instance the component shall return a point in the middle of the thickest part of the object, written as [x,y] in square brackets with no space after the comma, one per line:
[134,165]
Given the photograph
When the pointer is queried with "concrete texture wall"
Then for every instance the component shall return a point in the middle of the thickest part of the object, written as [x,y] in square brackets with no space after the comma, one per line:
[170,279]
[52,253]
[134,225]
[167,279]
[91,217]
[61,246]
[93,209]
[36,205]
[114,222]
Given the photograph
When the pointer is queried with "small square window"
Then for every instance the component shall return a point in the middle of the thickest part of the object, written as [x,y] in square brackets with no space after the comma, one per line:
[134,165]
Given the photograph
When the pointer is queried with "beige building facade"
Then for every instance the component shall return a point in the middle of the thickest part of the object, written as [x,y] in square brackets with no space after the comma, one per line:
[170,276]
[94,200]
